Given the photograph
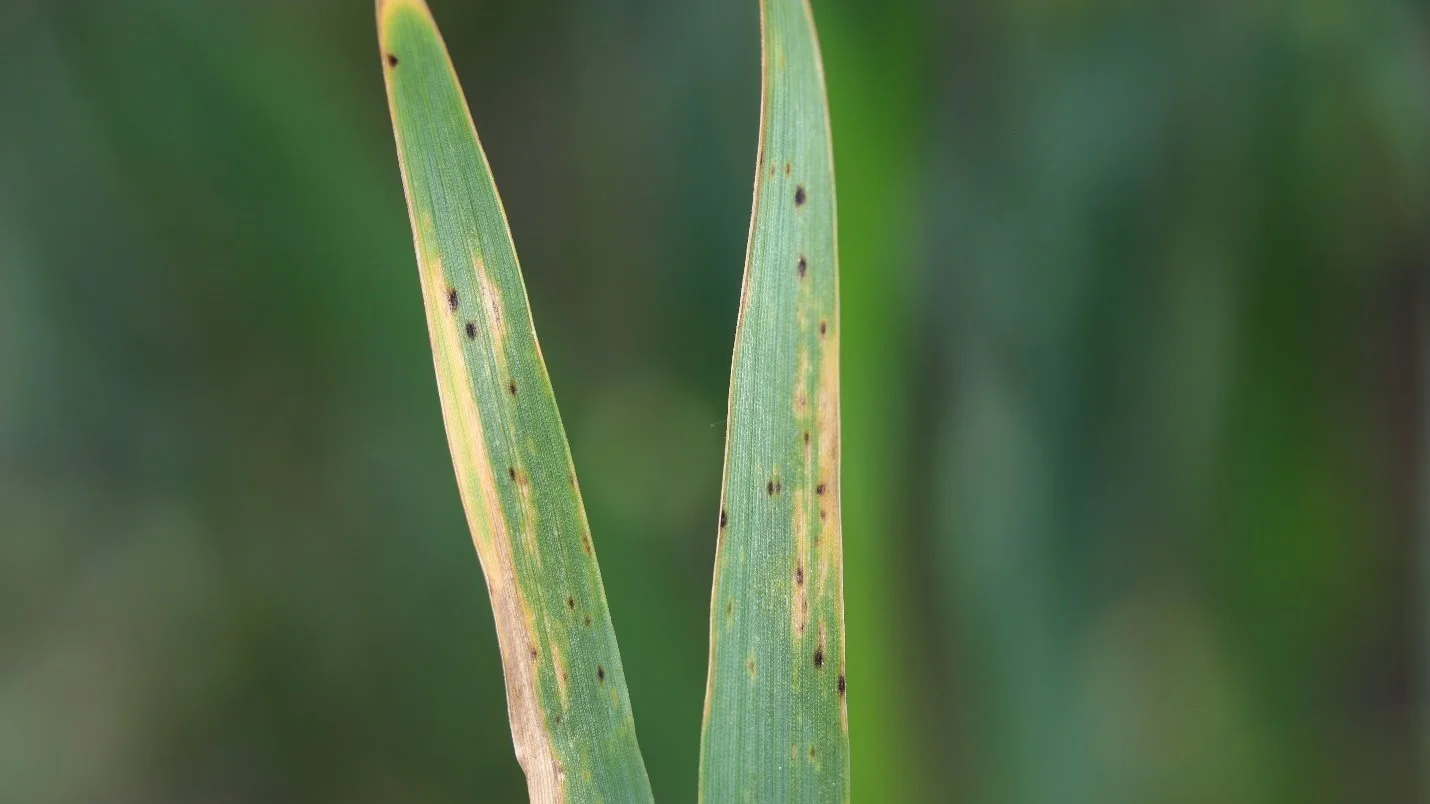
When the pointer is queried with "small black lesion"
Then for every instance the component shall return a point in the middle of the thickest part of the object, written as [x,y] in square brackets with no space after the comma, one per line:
[452,299]
[772,487]
[587,620]
[571,603]
[818,658]
[600,674]
[799,196]
[806,437]
[391,60]
[511,472]
[803,266]
[819,490]
[471,331]
[823,328]
[724,518]
[532,650]
[511,387]
[799,575]
[841,683]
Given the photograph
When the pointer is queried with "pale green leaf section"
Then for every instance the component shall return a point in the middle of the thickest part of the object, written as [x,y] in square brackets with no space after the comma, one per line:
[566,692]
[776,724]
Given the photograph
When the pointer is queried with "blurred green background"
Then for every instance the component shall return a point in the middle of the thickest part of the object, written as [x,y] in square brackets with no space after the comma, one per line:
[1135,356]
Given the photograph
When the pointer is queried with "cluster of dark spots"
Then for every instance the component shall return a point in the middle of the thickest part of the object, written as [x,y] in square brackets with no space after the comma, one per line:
[471,331]
[452,299]
[773,487]
[818,657]
[571,603]
[587,620]
[803,266]
[601,674]
[841,683]
[511,472]
[391,60]
[819,489]
[799,574]
[823,328]
[799,196]
[511,387]
[724,518]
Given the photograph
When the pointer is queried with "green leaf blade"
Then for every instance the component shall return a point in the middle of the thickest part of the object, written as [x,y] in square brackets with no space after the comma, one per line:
[776,722]
[570,711]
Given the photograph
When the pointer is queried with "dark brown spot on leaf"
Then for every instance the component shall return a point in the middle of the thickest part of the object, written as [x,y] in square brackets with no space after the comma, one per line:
[471,331]
[806,436]
[587,619]
[799,196]
[818,658]
[786,168]
[811,752]
[819,489]
[823,328]
[841,683]
[586,543]
[451,298]
[770,487]
[799,574]
[601,674]
[511,387]
[723,517]
[533,651]
[803,267]
[511,472]
[391,60]
[571,603]
[823,515]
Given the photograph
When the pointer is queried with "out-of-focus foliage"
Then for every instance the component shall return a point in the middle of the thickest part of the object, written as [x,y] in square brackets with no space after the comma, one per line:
[1131,410]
